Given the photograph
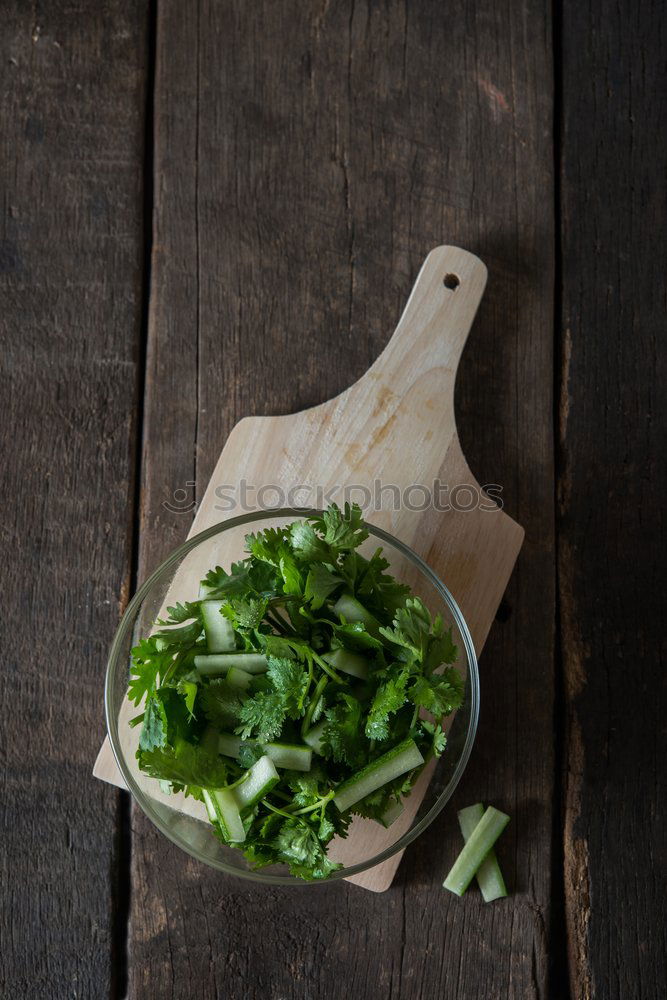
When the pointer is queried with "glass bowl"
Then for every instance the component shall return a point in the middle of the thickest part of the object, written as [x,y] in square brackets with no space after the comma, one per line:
[182,820]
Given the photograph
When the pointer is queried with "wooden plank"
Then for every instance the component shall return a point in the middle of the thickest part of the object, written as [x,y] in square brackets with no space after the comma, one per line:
[70,278]
[321,153]
[612,485]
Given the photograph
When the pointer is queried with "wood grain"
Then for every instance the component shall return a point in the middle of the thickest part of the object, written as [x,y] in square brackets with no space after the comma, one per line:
[71,107]
[612,484]
[298,194]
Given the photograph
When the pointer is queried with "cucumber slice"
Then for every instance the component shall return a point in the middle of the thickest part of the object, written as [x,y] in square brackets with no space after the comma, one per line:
[229,745]
[391,814]
[290,756]
[219,630]
[348,607]
[205,591]
[489,876]
[348,663]
[223,809]
[238,678]
[480,842]
[256,783]
[400,759]
[314,737]
[220,663]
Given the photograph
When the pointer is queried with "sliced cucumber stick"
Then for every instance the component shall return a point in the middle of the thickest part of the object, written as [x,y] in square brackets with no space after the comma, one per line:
[220,663]
[314,737]
[256,783]
[219,630]
[489,876]
[348,663]
[480,842]
[348,607]
[229,745]
[404,757]
[290,756]
[238,678]
[222,808]
[391,814]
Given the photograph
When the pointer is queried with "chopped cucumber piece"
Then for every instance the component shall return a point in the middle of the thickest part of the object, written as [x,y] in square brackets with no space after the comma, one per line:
[223,809]
[205,591]
[220,663]
[238,678]
[289,755]
[400,759]
[229,745]
[348,663]
[348,607]
[219,630]
[256,783]
[476,848]
[314,737]
[489,876]
[391,814]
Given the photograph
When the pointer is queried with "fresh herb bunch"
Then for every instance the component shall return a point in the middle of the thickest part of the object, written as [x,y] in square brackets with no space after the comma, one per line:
[290,694]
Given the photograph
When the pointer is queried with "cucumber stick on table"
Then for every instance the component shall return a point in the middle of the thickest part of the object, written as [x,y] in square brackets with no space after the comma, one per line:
[480,842]
[489,876]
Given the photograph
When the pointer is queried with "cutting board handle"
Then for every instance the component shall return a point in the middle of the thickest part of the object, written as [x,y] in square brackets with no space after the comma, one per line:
[436,320]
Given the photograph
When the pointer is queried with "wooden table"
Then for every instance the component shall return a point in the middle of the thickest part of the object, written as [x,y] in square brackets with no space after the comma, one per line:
[215,209]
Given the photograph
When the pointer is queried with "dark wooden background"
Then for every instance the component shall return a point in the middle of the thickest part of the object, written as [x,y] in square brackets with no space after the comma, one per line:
[217,208]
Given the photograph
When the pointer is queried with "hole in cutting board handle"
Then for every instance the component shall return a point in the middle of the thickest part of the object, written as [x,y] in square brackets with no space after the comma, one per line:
[451,281]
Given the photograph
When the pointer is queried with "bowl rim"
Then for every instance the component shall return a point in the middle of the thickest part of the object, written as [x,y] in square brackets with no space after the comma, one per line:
[126,624]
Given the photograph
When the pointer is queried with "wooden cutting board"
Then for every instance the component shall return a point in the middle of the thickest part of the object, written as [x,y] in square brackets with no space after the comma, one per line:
[394,427]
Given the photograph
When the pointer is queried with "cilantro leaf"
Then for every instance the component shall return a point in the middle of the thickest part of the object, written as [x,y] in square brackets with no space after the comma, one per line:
[438,737]
[221,584]
[150,660]
[307,545]
[300,846]
[155,725]
[249,753]
[342,737]
[389,698]
[441,647]
[272,546]
[411,628]
[188,687]
[440,694]
[385,592]
[221,703]
[305,786]
[290,681]
[356,637]
[341,530]
[290,572]
[181,613]
[186,766]
[320,583]
[245,613]
[262,716]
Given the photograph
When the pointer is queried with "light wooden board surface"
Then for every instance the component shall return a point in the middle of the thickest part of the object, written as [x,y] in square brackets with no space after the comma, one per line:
[396,427]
